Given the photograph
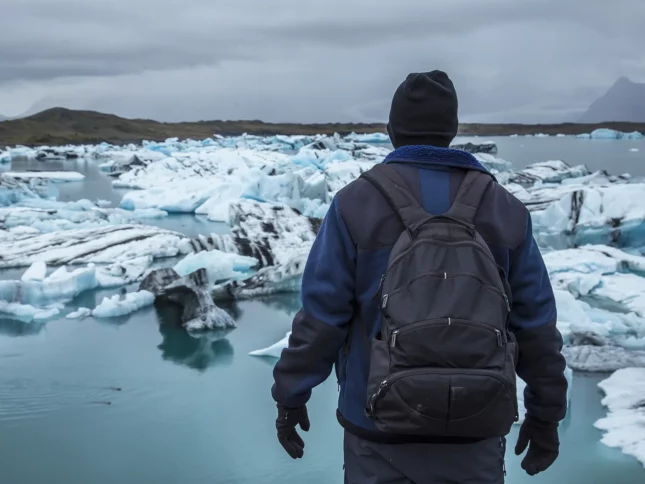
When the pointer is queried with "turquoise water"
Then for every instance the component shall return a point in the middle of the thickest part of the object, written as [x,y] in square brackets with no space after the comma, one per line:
[137,400]
[197,411]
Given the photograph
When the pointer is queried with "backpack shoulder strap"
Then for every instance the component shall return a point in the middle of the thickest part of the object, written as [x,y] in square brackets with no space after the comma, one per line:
[390,184]
[469,196]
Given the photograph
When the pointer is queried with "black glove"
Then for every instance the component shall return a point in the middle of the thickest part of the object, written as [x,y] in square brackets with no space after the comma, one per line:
[543,448]
[288,419]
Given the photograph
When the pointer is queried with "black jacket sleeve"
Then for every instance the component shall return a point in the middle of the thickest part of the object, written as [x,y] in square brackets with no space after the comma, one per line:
[533,321]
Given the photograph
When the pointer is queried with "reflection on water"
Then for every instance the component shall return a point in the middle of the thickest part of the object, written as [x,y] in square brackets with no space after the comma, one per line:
[15,328]
[198,351]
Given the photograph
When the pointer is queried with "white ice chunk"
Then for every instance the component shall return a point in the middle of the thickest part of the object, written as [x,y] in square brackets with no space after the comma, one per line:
[219,265]
[64,287]
[368,138]
[593,214]
[26,312]
[340,174]
[80,313]
[275,350]
[121,273]
[215,318]
[602,358]
[115,306]
[36,272]
[106,244]
[625,422]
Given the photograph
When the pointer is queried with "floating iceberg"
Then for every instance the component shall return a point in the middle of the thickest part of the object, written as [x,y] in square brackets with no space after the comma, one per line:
[624,425]
[599,275]
[80,313]
[604,133]
[602,358]
[280,278]
[106,244]
[577,215]
[36,272]
[275,350]
[218,265]
[115,306]
[487,147]
[14,191]
[368,138]
[55,176]
[192,294]
[26,312]
[547,172]
[57,288]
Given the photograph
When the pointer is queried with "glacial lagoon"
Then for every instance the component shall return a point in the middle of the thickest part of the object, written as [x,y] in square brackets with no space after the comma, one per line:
[135,399]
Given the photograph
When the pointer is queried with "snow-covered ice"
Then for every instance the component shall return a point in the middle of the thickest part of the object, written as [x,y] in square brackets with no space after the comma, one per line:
[117,305]
[105,244]
[600,275]
[624,425]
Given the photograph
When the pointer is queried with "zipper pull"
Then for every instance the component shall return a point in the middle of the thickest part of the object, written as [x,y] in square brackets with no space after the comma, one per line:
[499,338]
[384,301]
[508,305]
[393,340]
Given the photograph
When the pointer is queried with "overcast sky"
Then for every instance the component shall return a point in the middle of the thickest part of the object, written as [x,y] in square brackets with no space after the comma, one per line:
[313,60]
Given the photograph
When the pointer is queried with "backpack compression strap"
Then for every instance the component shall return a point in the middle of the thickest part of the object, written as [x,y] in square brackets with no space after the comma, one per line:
[390,184]
[469,196]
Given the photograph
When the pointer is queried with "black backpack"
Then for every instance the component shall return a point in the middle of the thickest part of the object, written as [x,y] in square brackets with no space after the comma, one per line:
[443,362]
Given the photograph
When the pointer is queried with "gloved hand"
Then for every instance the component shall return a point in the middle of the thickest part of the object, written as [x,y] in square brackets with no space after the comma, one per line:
[288,419]
[543,443]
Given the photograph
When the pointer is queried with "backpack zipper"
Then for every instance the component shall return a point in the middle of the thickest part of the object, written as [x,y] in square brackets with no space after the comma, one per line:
[385,384]
[482,325]
[468,243]
[444,275]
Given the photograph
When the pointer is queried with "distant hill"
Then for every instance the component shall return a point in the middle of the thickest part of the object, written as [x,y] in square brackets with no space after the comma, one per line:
[625,101]
[58,126]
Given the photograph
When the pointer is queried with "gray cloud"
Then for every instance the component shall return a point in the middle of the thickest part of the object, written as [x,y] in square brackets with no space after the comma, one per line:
[313,60]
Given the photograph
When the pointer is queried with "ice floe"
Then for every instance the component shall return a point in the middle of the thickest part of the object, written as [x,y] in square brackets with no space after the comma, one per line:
[218,265]
[58,288]
[55,176]
[192,294]
[275,350]
[624,425]
[80,313]
[26,312]
[106,244]
[604,133]
[118,305]
[36,272]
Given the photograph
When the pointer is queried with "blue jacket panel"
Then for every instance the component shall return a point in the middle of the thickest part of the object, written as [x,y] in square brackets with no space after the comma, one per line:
[349,257]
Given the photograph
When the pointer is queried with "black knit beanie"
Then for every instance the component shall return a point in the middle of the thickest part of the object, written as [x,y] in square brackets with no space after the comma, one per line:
[424,111]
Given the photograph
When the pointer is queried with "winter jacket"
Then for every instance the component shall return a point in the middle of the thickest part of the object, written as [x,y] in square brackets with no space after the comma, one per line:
[350,255]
